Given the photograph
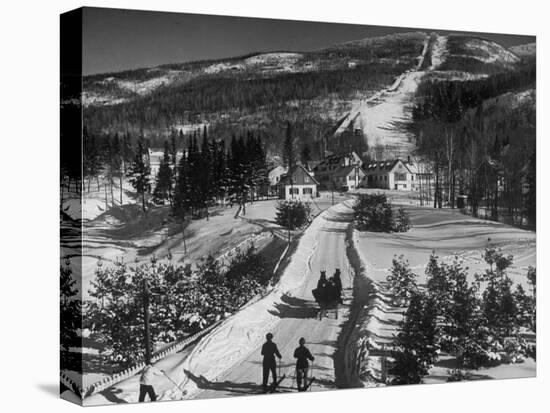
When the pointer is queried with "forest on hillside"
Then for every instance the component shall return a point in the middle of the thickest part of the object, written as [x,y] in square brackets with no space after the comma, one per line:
[312,96]
[479,138]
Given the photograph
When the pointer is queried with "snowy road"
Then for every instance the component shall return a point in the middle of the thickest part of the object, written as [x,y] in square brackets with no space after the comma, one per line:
[296,316]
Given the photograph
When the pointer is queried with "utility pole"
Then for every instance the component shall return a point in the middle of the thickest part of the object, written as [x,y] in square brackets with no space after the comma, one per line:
[183,236]
[146,316]
[288,217]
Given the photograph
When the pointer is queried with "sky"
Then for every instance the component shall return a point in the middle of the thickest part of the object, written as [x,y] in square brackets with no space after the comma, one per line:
[115,40]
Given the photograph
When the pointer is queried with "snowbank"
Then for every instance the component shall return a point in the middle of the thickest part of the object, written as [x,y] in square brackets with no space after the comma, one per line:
[371,325]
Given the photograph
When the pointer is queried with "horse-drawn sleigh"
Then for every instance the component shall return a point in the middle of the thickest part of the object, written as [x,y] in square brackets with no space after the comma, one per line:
[328,293]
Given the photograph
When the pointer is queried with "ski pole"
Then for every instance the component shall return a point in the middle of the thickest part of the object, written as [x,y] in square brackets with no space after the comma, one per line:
[311,378]
[174,383]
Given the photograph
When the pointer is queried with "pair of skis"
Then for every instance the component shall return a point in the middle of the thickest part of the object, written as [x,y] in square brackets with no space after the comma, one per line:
[275,385]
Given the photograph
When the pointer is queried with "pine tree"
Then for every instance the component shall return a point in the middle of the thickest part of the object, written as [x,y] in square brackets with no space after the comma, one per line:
[219,170]
[91,163]
[182,201]
[163,184]
[530,197]
[305,155]
[70,309]
[499,306]
[140,171]
[289,157]
[173,149]
[237,162]
[417,344]
[118,162]
[109,160]
[401,281]
[438,284]
[206,173]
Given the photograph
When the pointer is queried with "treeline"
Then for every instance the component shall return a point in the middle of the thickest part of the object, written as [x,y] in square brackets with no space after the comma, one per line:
[447,100]
[211,172]
[191,177]
[478,139]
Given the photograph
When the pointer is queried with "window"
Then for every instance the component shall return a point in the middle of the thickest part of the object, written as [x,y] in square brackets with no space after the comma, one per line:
[306,180]
[400,177]
[385,177]
[294,191]
[307,191]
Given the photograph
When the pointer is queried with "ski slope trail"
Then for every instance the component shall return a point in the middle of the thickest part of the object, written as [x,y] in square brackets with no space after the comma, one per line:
[383,117]
[228,362]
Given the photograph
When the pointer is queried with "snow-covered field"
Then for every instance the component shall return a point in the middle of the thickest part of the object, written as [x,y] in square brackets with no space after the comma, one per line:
[449,234]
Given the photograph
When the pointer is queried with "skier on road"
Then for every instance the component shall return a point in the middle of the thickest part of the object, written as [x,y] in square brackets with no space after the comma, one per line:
[146,382]
[269,351]
[302,355]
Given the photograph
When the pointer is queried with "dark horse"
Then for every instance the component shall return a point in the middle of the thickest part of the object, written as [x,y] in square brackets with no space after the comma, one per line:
[328,293]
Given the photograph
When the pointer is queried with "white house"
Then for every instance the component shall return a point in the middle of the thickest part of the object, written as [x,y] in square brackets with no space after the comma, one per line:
[274,175]
[393,174]
[341,171]
[298,184]
[348,177]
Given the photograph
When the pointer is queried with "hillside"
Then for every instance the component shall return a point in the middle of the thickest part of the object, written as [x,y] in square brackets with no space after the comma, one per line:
[529,49]
[321,93]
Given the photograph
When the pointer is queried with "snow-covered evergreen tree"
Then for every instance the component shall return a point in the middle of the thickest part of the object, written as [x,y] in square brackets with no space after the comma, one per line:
[163,182]
[140,171]
[401,281]
[417,344]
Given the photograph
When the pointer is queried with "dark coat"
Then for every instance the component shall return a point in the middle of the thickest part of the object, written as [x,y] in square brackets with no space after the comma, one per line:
[302,355]
[269,351]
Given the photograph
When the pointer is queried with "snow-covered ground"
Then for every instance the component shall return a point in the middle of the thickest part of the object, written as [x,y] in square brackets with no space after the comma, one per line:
[439,52]
[449,234]
[382,116]
[488,52]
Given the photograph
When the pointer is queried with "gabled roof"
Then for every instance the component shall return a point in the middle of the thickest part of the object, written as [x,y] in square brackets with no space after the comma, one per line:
[293,170]
[386,166]
[274,168]
[337,158]
[346,170]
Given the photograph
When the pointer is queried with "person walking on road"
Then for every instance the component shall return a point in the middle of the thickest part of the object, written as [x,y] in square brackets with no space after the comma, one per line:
[302,356]
[338,284]
[146,382]
[269,351]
